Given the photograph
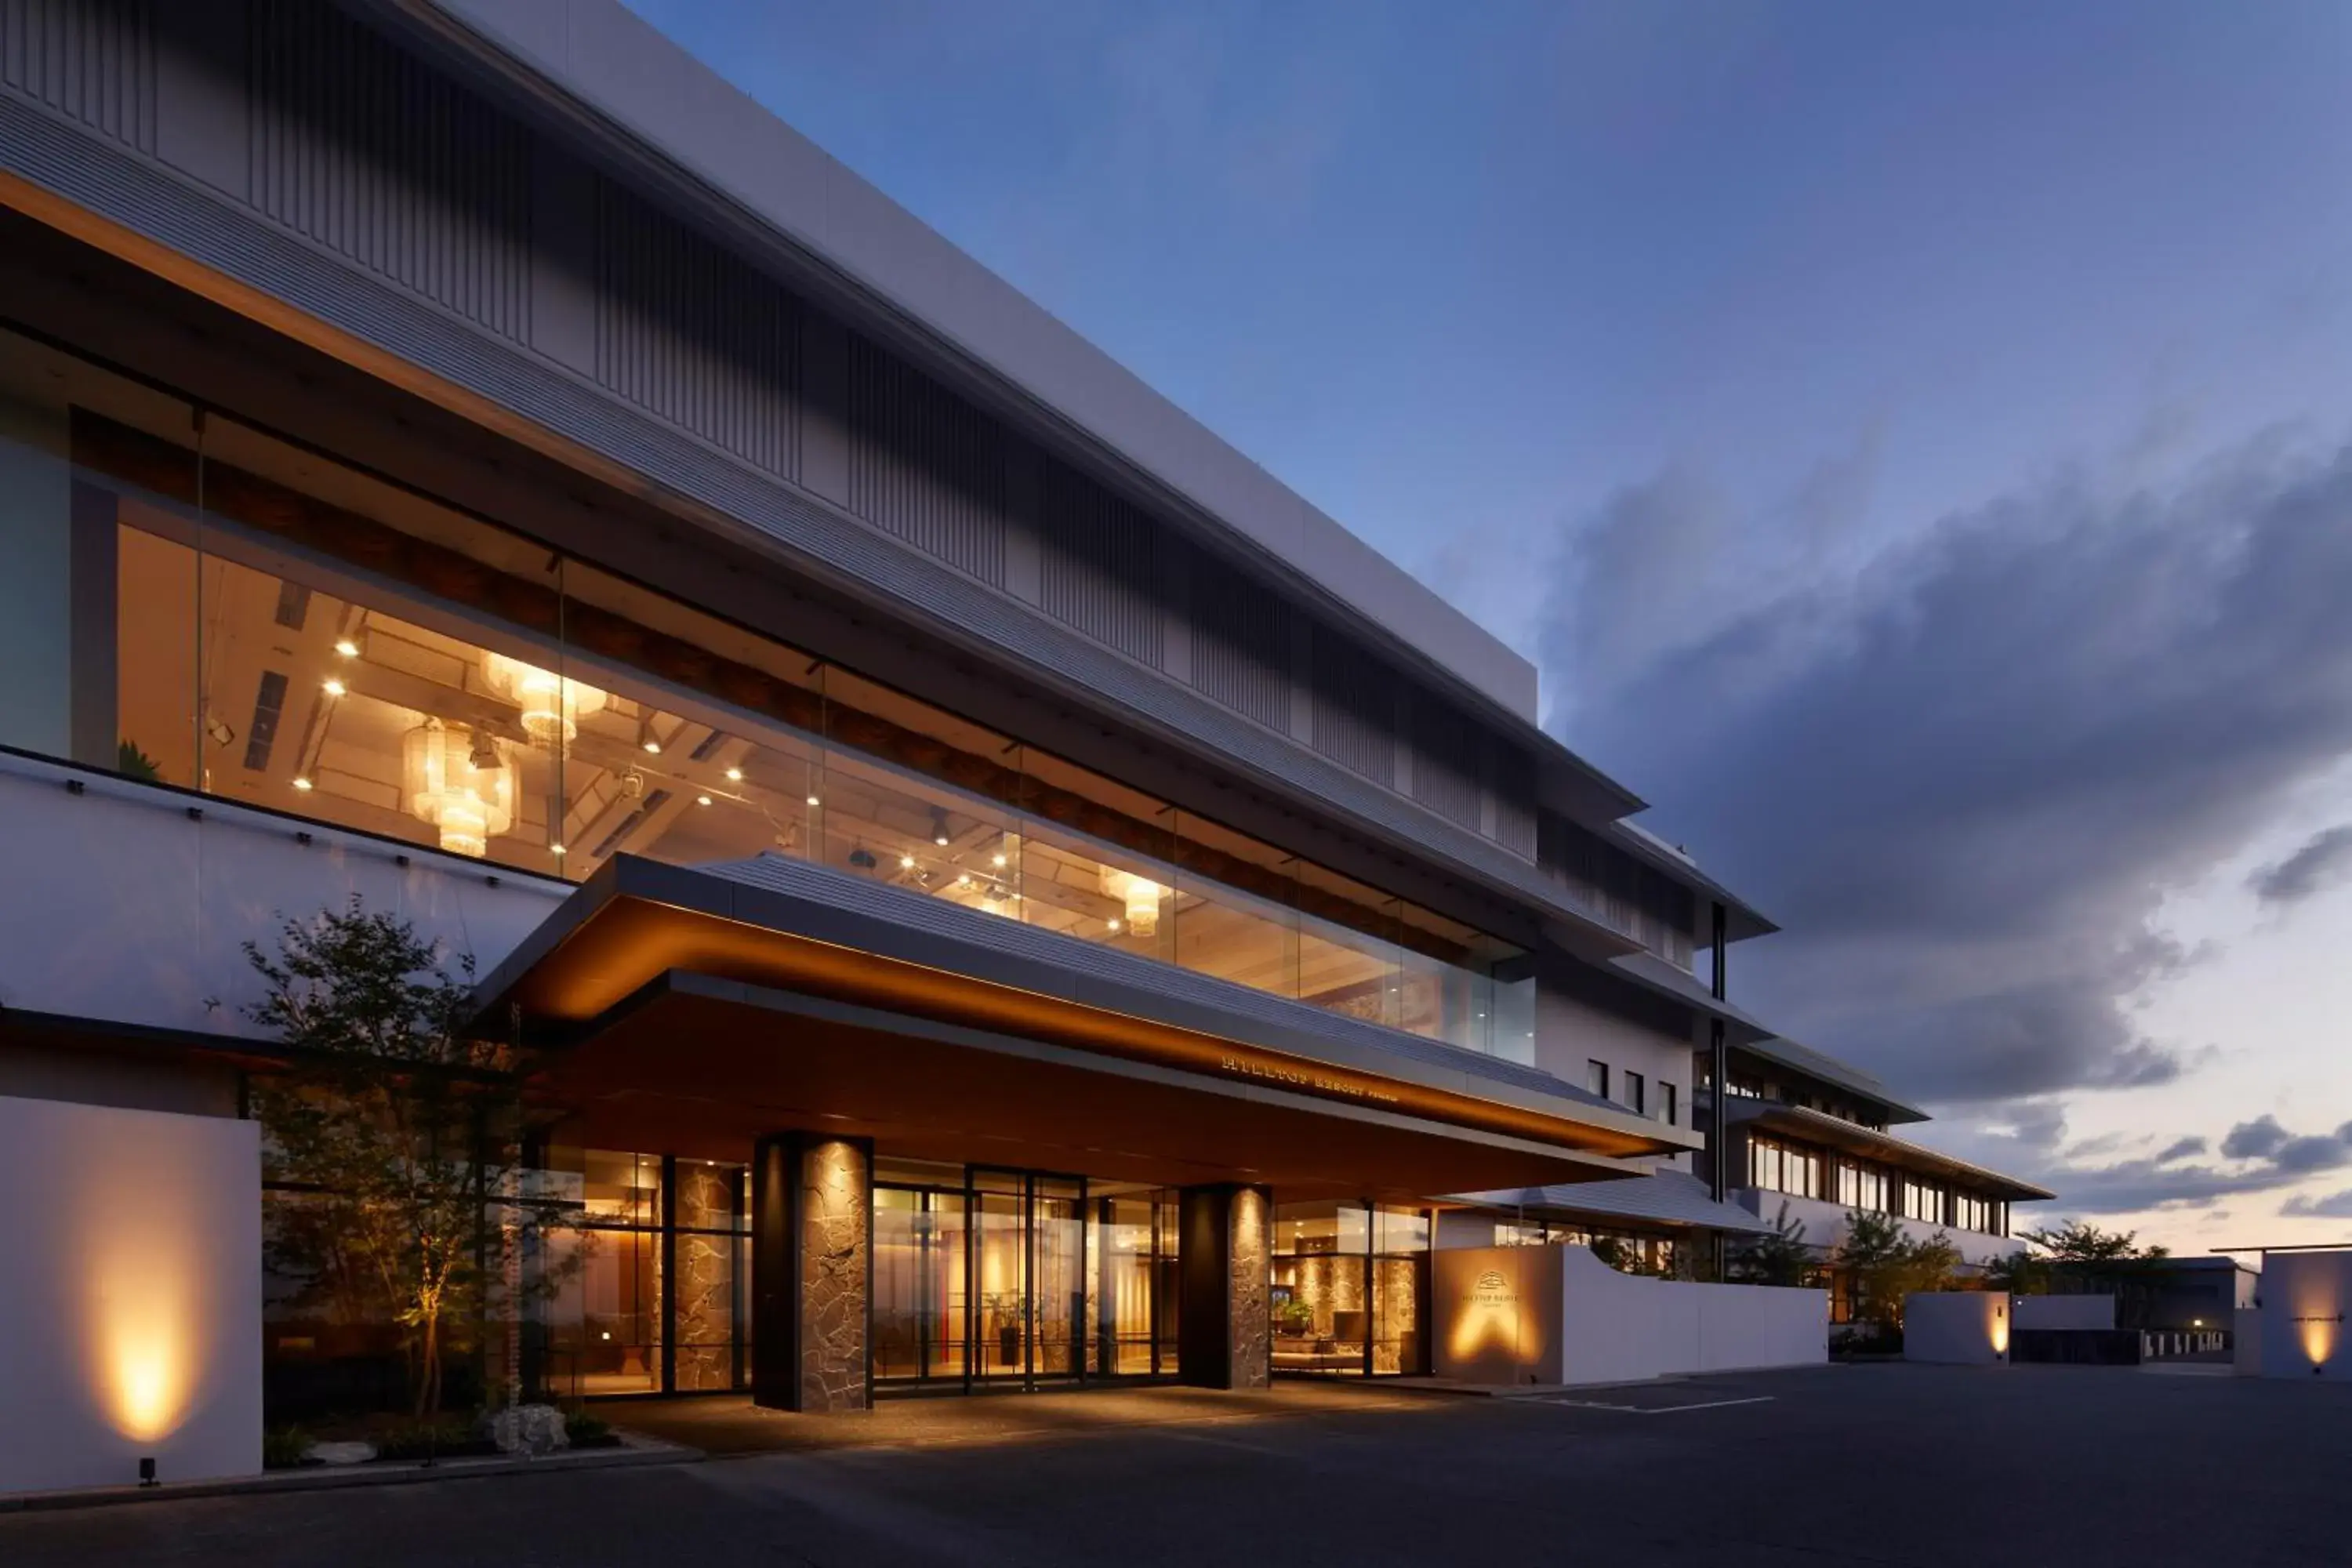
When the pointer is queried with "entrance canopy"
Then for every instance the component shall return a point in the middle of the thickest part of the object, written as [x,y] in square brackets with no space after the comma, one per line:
[697,1009]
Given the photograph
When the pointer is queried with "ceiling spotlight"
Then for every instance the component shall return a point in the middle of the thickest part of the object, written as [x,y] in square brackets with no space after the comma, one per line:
[906,862]
[303,785]
[734,775]
[645,736]
[556,850]
[334,688]
[346,647]
[702,800]
[999,859]
[1112,924]
[812,799]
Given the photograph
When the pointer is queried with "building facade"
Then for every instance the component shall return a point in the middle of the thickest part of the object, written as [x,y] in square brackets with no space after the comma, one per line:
[990,888]
[1805,1140]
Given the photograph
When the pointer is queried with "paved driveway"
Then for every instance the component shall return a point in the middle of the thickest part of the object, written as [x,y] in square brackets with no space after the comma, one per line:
[1878,1465]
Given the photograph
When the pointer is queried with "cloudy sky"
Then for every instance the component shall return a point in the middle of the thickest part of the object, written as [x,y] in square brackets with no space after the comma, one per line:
[1916,444]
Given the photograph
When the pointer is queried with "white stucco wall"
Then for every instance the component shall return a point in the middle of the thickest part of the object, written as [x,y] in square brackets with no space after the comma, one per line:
[1570,1033]
[2306,1315]
[1962,1328]
[1560,1315]
[119,906]
[131,1306]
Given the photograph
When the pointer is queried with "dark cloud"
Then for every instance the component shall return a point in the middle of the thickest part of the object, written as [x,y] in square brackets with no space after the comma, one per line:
[2257,1156]
[2334,1205]
[2253,1139]
[2325,859]
[1963,774]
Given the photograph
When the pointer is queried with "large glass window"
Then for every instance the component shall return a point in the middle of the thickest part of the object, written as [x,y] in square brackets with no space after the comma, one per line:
[197,601]
[1349,1289]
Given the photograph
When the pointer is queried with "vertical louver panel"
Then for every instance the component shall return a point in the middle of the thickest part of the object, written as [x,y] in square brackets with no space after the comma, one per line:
[1355,707]
[95,62]
[692,333]
[362,149]
[1242,639]
[1511,773]
[925,465]
[1445,746]
[1099,567]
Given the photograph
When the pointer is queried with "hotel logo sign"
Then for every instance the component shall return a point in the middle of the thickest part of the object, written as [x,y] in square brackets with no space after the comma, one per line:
[1315,1081]
[1492,1291]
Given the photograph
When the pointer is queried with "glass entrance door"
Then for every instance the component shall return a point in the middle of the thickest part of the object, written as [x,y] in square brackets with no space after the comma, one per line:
[1017,1278]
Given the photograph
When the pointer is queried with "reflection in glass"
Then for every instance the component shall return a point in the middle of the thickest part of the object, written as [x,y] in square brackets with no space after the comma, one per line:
[918,1273]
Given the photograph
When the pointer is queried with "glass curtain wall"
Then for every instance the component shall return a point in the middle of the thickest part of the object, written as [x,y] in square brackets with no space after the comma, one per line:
[652,1292]
[198,603]
[1020,1278]
[1350,1289]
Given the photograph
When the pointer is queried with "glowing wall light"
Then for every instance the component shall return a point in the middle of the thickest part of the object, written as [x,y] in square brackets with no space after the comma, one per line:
[2000,1328]
[147,1318]
[552,706]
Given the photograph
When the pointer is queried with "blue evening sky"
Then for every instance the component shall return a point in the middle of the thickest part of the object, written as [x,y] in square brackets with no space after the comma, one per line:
[1912,437]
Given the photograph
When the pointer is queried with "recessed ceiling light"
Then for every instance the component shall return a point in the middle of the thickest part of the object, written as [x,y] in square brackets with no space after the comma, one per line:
[348,648]
[653,748]
[702,800]
[334,688]
[1113,924]
[302,783]
[999,859]
[906,862]
[813,800]
[555,850]
[734,775]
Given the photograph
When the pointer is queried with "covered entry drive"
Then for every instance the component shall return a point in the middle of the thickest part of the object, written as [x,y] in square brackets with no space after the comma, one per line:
[981,1155]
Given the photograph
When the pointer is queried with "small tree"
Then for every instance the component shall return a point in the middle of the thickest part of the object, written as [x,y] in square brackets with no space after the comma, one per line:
[1779,1258]
[2079,1241]
[403,1135]
[2018,1274]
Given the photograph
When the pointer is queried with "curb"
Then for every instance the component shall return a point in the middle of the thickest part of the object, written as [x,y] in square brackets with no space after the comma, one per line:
[634,1452]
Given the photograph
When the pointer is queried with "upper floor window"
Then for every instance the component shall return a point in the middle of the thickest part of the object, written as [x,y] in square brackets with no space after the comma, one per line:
[1922,1201]
[1596,1077]
[1635,1093]
[1667,1108]
[217,609]
[1781,1167]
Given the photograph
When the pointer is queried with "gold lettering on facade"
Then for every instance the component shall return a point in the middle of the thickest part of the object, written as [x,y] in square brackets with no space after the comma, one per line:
[1303,1078]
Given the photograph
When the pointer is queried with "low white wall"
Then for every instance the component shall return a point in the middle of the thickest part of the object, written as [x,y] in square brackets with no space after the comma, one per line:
[2063,1313]
[2306,1311]
[1962,1328]
[130,1301]
[1557,1314]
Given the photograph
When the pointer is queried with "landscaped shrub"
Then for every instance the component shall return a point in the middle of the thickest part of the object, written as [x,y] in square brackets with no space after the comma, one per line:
[583,1431]
[284,1449]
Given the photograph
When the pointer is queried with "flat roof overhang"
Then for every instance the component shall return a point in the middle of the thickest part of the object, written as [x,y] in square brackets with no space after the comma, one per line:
[700,1007]
[1819,1128]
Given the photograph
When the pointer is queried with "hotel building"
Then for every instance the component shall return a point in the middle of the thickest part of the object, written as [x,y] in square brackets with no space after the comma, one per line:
[993,889]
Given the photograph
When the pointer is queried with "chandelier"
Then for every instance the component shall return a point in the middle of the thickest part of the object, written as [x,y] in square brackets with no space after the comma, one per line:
[1139,895]
[552,706]
[462,781]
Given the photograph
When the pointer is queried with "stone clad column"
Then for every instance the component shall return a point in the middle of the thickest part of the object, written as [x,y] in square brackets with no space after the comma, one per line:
[811,1271]
[1224,1332]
